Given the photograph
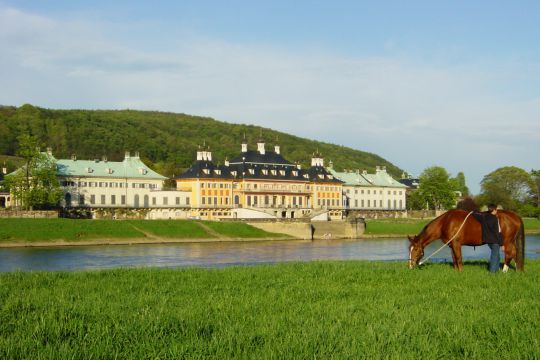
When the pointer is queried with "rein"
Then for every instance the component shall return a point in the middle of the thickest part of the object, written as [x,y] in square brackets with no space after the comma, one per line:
[453,237]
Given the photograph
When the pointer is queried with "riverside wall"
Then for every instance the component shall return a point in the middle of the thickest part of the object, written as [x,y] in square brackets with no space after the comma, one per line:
[5,214]
[314,230]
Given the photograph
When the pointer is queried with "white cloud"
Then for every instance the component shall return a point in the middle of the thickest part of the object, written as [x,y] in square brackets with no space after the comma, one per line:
[414,114]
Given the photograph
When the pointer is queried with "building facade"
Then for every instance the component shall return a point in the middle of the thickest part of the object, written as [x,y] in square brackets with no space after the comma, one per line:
[260,184]
[364,191]
[105,186]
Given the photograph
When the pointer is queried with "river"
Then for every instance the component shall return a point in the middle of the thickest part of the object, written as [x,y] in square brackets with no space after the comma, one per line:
[223,254]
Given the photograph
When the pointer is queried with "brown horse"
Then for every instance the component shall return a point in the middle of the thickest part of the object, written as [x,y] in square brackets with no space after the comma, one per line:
[446,226]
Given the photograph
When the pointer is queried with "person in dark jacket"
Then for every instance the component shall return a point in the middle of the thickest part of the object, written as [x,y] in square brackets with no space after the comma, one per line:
[491,234]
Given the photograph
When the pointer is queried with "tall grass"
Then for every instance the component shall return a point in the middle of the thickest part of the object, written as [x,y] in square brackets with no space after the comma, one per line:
[301,310]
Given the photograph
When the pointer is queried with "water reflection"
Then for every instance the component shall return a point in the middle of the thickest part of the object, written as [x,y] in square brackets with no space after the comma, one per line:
[226,254]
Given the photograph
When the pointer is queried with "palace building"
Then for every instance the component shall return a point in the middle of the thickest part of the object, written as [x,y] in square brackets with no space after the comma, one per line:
[261,184]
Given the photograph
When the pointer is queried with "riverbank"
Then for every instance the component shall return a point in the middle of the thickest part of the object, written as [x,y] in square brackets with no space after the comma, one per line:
[69,232]
[299,310]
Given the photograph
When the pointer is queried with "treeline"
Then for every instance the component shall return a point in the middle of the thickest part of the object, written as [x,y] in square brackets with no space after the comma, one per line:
[166,141]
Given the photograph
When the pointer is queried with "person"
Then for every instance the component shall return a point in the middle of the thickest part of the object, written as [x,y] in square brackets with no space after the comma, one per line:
[491,235]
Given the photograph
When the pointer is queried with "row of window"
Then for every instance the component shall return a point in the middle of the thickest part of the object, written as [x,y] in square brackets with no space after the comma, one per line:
[121,200]
[348,191]
[214,200]
[369,203]
[274,200]
[103,184]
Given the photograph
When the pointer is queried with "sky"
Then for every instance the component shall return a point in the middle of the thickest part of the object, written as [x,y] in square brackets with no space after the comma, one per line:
[421,83]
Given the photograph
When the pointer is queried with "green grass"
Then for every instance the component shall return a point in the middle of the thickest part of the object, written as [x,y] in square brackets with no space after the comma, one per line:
[532,225]
[240,230]
[43,230]
[176,229]
[32,230]
[289,311]
[395,226]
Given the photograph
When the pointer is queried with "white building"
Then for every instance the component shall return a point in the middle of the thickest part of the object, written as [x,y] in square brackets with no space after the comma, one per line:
[379,191]
[101,185]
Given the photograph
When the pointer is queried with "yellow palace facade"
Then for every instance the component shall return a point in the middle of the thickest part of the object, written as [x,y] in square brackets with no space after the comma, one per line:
[261,184]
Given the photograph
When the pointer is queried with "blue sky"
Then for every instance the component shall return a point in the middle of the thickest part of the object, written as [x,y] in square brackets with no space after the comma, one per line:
[421,83]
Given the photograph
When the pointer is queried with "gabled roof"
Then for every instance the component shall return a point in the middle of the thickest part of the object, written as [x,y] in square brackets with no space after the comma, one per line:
[130,167]
[207,170]
[381,178]
[320,175]
[255,157]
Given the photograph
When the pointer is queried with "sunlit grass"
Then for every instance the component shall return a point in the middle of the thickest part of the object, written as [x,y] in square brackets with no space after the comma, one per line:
[300,310]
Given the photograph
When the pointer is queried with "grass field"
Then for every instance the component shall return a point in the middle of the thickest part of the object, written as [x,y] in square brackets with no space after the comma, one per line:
[395,226]
[43,230]
[414,226]
[318,310]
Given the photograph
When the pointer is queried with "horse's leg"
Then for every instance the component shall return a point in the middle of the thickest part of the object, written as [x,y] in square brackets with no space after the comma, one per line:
[509,255]
[456,254]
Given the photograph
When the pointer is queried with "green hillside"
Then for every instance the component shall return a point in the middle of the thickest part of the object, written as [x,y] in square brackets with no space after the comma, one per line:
[166,141]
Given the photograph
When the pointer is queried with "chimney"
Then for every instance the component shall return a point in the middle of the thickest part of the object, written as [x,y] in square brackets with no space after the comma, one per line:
[136,155]
[260,147]
[298,166]
[244,144]
[226,162]
[73,157]
[127,155]
[276,149]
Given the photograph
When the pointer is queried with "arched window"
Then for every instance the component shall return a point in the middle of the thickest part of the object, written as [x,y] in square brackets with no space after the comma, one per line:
[146,202]
[236,200]
[136,201]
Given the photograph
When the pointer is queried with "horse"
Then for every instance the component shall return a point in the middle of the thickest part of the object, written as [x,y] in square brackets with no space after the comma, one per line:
[462,229]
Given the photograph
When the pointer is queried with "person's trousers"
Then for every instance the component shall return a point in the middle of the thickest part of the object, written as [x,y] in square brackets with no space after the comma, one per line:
[495,258]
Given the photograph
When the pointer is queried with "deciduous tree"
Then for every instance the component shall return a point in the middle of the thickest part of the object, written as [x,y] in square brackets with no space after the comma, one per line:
[508,186]
[435,188]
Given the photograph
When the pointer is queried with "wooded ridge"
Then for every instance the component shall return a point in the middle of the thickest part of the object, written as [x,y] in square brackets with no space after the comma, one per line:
[167,142]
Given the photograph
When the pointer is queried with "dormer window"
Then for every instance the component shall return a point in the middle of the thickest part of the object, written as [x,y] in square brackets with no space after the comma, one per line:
[295,173]
[89,170]
[274,172]
[217,171]
[306,176]
[143,171]
[233,173]
[265,172]
[110,171]
[321,176]
[330,177]
[206,171]
[282,172]
[251,171]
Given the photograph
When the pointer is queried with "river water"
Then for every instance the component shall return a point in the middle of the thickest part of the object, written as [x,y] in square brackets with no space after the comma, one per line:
[225,254]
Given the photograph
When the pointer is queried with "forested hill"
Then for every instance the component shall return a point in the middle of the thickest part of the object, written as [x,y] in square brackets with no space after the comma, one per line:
[167,142]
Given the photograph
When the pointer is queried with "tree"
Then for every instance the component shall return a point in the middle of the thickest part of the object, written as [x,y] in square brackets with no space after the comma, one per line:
[435,188]
[508,186]
[535,174]
[34,186]
[458,184]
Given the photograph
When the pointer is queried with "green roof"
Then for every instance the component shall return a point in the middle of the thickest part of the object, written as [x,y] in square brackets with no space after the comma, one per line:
[380,178]
[130,167]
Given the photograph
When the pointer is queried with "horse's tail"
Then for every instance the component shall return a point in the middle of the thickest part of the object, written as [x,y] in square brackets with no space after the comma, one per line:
[520,246]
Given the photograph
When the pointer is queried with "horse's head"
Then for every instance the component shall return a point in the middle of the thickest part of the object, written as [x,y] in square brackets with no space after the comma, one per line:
[416,251]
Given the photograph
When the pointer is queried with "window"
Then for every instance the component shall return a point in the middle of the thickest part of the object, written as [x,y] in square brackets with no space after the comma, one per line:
[389,206]
[102,199]
[362,203]
[165,201]
[123,199]
[265,172]
[92,199]
[177,200]
[355,203]
[368,203]
[81,199]
[187,201]
[113,199]
[215,201]
[251,171]
[282,172]
[153,200]
[203,200]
